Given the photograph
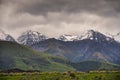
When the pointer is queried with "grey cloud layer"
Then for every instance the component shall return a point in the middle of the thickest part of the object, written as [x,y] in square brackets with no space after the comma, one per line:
[115,4]
[37,7]
[59,16]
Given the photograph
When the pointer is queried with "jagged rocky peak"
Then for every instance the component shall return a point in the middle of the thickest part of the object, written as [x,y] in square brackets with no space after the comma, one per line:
[94,35]
[87,34]
[5,37]
[67,37]
[30,37]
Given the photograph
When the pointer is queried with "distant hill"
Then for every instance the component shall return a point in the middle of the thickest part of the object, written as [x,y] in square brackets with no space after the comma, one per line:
[14,55]
[95,65]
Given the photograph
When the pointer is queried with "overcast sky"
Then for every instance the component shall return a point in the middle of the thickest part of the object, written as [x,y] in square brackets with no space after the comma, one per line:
[56,17]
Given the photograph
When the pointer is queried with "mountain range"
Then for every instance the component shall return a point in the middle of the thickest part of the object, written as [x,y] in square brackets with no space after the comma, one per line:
[30,37]
[91,48]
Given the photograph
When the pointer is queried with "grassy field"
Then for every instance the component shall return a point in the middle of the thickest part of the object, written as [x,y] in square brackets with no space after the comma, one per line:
[101,75]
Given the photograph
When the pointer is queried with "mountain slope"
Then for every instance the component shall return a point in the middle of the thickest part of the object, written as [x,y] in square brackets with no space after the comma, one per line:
[13,55]
[95,65]
[96,47]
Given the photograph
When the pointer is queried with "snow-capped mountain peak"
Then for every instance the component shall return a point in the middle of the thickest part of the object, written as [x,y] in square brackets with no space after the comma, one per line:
[95,35]
[87,35]
[68,37]
[31,37]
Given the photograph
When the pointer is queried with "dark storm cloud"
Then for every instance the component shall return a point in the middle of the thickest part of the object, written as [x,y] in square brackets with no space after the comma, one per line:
[0,2]
[115,4]
[38,7]
[45,6]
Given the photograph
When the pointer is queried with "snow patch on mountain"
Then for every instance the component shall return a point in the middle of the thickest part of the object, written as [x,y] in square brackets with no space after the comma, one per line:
[68,38]
[87,35]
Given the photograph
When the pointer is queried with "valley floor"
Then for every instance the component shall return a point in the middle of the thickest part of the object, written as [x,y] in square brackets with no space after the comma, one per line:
[95,75]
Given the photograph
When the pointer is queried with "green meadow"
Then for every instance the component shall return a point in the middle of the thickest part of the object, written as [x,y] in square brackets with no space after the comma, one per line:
[95,75]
